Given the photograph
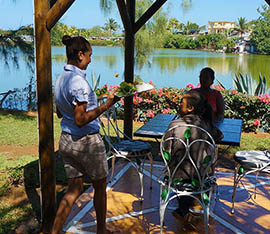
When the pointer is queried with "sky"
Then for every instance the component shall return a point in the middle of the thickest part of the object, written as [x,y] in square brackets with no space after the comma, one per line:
[87,13]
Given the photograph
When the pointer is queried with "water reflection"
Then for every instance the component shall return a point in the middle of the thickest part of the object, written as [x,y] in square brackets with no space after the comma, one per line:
[173,64]
[59,58]
[110,61]
[170,67]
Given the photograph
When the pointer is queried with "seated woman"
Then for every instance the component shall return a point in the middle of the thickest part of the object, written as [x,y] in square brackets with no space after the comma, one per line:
[214,97]
[195,110]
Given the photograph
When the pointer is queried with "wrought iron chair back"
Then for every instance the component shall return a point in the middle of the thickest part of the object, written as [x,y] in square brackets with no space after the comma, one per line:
[121,146]
[188,153]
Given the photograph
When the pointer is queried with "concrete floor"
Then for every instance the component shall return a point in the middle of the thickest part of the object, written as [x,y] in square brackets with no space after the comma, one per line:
[128,215]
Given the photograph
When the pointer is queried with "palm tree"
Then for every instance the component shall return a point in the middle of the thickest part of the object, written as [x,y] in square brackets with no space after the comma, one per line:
[242,26]
[174,25]
[111,26]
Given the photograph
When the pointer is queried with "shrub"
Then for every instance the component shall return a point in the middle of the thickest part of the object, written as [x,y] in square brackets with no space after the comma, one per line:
[246,84]
[253,110]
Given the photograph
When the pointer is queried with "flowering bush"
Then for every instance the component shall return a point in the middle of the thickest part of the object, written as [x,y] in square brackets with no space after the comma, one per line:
[165,100]
[253,110]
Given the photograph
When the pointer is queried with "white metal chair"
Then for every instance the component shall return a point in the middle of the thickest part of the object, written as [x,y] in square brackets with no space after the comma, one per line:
[121,146]
[247,162]
[188,153]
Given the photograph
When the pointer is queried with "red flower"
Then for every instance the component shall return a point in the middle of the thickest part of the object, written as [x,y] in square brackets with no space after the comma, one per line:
[190,86]
[234,92]
[150,114]
[256,123]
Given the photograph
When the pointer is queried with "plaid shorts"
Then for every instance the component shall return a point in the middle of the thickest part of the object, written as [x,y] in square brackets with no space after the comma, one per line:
[84,154]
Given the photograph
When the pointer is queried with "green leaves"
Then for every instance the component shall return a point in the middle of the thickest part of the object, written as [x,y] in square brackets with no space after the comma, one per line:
[101,91]
[176,181]
[195,182]
[207,159]
[206,199]
[246,84]
[167,155]
[164,194]
[126,89]
[187,133]
[241,171]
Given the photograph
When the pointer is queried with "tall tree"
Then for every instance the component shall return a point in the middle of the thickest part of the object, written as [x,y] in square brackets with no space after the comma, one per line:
[191,28]
[174,25]
[242,26]
[151,35]
[111,26]
[260,36]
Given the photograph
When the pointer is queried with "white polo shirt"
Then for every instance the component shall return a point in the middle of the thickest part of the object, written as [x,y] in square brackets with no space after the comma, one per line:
[70,86]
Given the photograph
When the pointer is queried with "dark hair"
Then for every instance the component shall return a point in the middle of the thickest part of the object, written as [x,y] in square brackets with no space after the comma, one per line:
[208,71]
[201,105]
[74,45]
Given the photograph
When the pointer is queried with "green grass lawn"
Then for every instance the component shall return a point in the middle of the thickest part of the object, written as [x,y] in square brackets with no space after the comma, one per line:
[20,130]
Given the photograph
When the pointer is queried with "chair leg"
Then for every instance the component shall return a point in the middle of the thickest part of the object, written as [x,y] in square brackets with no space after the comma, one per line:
[141,183]
[150,156]
[113,166]
[255,190]
[235,182]
[206,218]
[162,211]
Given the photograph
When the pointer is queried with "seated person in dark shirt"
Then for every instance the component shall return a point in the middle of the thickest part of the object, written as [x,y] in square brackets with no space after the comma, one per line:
[214,97]
[194,110]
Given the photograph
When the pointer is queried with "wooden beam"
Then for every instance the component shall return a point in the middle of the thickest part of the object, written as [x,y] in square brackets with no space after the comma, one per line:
[45,115]
[57,11]
[129,69]
[268,1]
[148,14]
[125,16]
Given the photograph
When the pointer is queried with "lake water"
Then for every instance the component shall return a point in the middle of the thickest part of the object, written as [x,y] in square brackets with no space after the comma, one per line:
[168,67]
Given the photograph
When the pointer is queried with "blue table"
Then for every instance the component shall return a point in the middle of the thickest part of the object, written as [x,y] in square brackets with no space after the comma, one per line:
[157,126]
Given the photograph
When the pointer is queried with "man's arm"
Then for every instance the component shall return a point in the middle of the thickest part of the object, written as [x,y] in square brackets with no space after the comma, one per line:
[220,106]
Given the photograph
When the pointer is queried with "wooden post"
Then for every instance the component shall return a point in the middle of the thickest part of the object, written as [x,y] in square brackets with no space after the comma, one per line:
[45,18]
[129,69]
[45,115]
[127,13]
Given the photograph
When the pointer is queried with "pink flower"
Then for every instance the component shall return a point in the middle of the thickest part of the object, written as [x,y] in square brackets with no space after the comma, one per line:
[137,100]
[165,111]
[160,93]
[105,86]
[234,92]
[150,114]
[265,98]
[256,123]
[190,86]
[150,82]
[122,101]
